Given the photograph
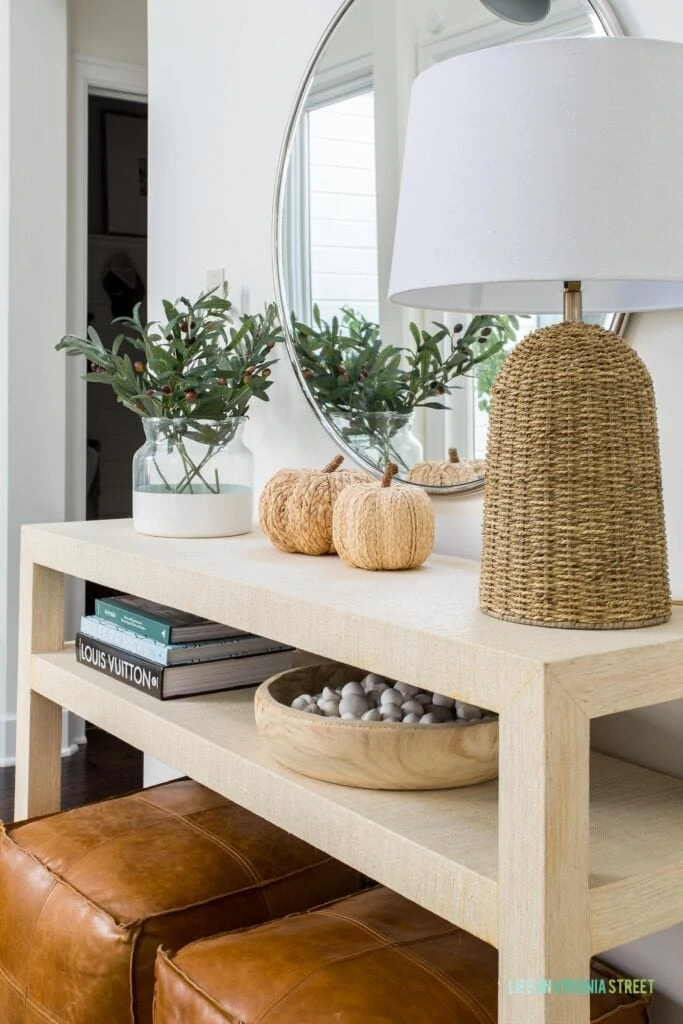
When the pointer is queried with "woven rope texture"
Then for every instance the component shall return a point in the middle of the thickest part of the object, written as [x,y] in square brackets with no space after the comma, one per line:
[295,508]
[377,526]
[574,522]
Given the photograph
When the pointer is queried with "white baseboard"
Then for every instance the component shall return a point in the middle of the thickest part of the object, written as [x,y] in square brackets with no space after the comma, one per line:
[8,740]
[155,772]
[73,736]
[77,730]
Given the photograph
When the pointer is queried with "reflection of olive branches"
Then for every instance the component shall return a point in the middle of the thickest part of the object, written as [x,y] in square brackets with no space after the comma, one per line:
[349,368]
[486,376]
[376,431]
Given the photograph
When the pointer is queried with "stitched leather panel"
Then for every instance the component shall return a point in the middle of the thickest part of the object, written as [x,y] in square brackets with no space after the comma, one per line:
[87,896]
[372,958]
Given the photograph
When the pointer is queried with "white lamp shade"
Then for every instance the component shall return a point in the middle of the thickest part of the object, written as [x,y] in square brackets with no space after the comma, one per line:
[542,162]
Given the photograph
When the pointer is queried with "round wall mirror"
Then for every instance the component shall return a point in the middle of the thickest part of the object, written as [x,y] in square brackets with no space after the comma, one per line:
[389,384]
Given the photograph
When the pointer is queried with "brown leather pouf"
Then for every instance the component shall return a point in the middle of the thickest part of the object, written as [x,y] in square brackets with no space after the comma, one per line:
[87,896]
[373,958]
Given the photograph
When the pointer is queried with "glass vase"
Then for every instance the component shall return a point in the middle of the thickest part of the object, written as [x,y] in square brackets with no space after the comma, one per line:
[193,478]
[380,438]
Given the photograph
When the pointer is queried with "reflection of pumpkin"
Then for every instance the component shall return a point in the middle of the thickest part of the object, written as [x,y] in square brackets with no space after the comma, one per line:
[377,526]
[448,474]
[295,509]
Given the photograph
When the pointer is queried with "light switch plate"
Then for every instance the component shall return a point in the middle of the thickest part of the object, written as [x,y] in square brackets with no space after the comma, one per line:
[215,278]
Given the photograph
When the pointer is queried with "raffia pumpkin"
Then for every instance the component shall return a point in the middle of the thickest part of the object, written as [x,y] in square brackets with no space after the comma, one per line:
[377,526]
[448,474]
[295,509]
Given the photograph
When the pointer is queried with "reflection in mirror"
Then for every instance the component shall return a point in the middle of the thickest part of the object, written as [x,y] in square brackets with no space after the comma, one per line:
[370,389]
[392,385]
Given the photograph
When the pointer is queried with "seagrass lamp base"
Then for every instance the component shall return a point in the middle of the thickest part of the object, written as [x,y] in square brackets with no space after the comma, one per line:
[574,532]
[573,521]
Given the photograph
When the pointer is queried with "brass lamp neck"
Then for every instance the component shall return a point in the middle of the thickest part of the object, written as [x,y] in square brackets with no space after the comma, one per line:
[573,304]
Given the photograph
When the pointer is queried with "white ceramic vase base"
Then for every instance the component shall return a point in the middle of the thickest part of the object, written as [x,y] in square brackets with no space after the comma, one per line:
[227,514]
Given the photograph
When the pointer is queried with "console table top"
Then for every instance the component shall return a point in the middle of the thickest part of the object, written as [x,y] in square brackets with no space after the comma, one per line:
[422,626]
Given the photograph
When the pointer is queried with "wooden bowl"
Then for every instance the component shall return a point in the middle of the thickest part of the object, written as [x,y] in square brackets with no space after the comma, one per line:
[368,755]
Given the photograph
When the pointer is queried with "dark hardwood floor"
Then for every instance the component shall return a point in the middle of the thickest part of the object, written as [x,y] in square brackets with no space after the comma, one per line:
[103,768]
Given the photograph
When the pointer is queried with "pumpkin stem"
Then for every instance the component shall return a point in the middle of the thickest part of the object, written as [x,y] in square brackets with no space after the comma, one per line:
[389,474]
[333,464]
[453,455]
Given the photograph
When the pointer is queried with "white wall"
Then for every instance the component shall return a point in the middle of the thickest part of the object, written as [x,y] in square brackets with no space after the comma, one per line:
[658,19]
[33,269]
[353,36]
[110,31]
[4,357]
[32,296]
[214,210]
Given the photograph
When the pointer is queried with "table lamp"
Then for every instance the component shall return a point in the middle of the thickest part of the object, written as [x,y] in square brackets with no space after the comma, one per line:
[537,175]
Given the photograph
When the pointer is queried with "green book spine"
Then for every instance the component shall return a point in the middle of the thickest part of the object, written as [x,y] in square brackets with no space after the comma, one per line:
[134,622]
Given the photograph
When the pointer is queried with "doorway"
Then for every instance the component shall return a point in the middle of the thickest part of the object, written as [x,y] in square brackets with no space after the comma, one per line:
[121,89]
[116,284]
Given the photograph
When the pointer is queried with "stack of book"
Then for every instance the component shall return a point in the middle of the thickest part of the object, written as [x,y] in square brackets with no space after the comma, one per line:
[168,653]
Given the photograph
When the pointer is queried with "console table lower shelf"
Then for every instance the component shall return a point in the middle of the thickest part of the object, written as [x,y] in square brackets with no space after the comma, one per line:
[439,849]
[529,864]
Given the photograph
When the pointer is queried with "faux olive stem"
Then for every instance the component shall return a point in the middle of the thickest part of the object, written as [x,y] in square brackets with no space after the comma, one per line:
[192,470]
[382,440]
[158,469]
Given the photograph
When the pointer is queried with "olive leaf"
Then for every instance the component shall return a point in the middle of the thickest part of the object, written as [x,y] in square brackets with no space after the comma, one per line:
[199,364]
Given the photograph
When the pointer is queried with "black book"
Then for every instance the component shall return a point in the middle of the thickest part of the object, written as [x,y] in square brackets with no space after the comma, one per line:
[167,682]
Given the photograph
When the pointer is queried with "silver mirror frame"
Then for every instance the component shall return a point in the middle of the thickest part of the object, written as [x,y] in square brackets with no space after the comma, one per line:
[618,322]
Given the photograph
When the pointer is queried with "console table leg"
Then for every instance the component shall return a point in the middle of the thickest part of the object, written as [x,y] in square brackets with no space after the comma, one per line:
[39,721]
[544,925]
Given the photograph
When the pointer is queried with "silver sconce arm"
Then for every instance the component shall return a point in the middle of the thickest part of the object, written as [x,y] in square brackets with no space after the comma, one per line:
[521,12]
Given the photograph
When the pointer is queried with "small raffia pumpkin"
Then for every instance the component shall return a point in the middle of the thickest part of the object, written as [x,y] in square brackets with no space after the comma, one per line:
[448,474]
[377,526]
[295,509]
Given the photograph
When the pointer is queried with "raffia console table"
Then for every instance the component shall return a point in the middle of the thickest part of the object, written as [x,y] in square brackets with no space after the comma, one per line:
[569,854]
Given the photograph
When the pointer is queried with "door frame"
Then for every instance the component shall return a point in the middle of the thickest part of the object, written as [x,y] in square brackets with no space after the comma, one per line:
[89,76]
